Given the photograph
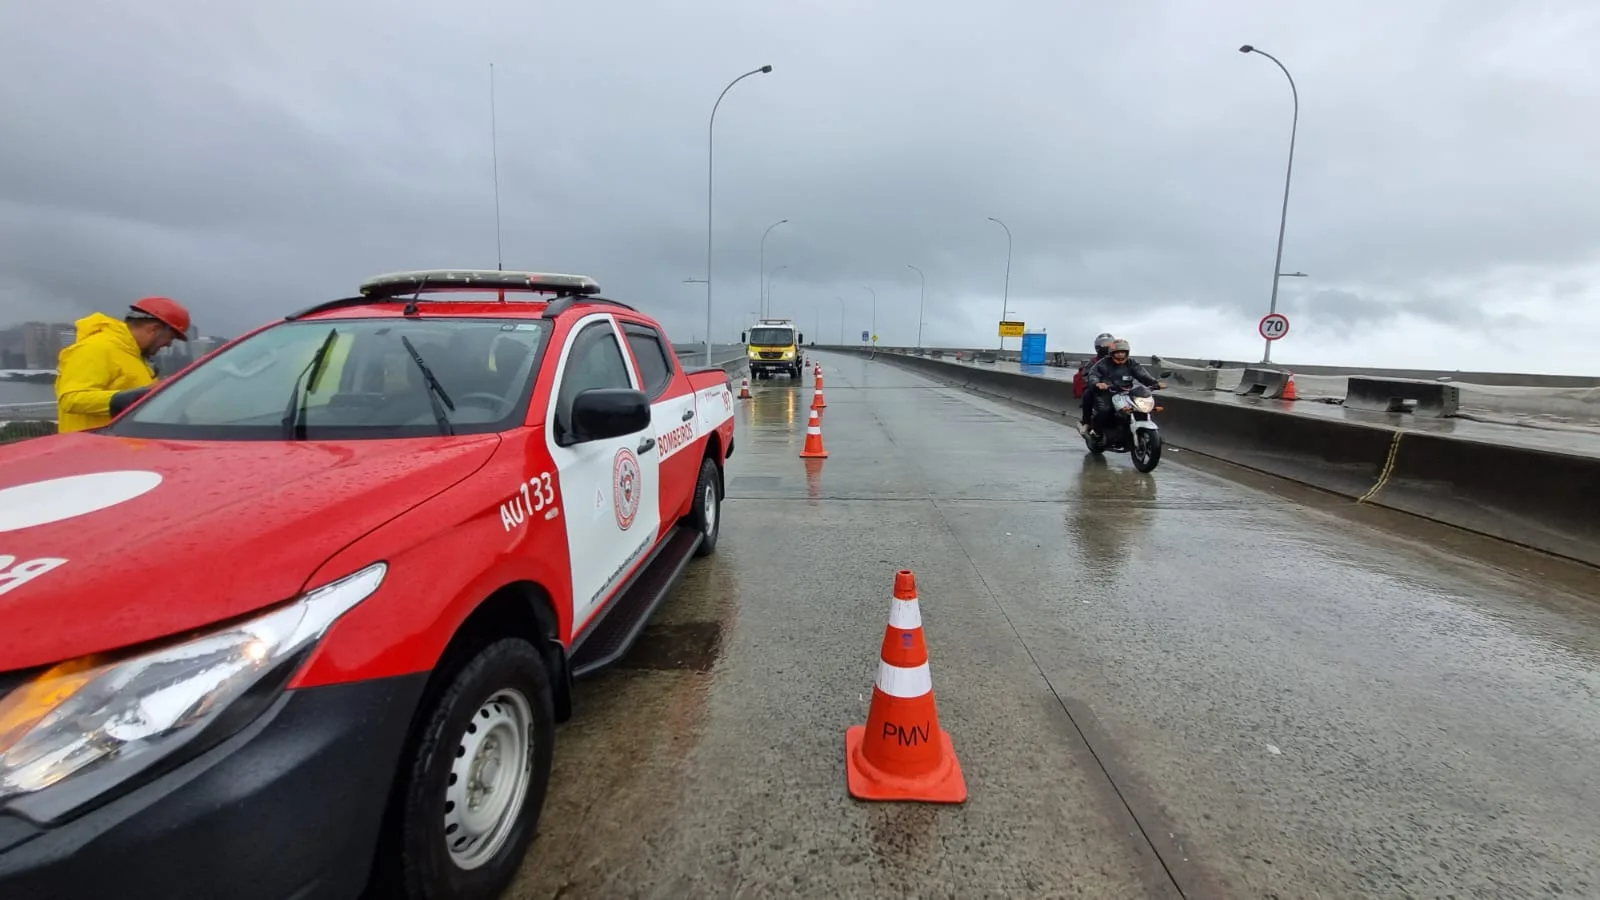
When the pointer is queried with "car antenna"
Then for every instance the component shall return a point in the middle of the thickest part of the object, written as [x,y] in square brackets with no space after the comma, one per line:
[494,155]
[411,307]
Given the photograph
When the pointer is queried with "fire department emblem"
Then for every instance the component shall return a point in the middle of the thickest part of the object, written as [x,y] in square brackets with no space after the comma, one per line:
[625,487]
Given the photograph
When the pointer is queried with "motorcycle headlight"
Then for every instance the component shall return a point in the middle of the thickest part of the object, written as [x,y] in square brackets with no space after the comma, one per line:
[95,722]
[1144,404]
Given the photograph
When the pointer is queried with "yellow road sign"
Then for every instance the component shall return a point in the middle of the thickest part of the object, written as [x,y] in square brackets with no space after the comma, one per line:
[1011,329]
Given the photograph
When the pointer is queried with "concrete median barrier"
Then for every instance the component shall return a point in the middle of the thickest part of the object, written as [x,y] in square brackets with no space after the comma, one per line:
[1425,398]
[1343,457]
[1538,498]
[1190,377]
[1260,382]
[1541,499]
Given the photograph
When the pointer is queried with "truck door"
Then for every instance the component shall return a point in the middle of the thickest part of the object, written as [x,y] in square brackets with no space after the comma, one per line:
[611,486]
[672,410]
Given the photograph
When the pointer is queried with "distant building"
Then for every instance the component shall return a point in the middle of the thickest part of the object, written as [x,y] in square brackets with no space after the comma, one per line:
[40,345]
[12,356]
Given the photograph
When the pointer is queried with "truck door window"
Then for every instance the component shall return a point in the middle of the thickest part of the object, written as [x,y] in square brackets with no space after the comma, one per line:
[595,362]
[655,367]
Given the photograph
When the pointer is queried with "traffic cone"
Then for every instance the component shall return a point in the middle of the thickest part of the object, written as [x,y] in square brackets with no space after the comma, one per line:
[1289,392]
[817,400]
[744,388]
[813,448]
[902,753]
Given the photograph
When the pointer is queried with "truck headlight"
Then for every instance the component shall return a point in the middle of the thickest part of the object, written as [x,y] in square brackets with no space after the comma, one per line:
[751,353]
[96,721]
[788,354]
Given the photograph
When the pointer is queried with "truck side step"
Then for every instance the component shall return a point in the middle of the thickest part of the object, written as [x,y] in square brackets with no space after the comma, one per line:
[620,625]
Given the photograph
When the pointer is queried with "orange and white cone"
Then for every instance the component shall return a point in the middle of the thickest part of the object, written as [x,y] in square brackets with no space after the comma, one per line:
[744,388]
[902,753]
[813,448]
[817,400]
[1289,392]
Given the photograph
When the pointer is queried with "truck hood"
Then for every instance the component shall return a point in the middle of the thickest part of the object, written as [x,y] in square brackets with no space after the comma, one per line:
[106,542]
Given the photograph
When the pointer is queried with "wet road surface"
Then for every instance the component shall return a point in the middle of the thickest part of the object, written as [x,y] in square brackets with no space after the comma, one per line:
[1177,685]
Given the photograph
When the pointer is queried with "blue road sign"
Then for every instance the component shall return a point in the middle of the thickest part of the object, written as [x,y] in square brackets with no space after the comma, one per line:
[866,336]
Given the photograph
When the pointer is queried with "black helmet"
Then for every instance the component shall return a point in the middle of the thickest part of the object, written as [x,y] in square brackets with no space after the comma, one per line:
[1102,344]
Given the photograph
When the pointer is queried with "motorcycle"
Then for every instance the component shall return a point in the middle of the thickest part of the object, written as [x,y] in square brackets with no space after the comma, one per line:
[1130,428]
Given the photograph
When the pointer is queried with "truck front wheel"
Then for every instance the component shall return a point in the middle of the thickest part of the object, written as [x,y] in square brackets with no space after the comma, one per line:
[473,789]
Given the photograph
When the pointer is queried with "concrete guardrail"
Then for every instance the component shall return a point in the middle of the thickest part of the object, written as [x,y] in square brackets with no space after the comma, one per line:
[1427,398]
[1558,402]
[1541,499]
[1259,382]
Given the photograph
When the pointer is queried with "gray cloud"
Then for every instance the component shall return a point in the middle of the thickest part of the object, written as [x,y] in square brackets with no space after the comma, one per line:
[251,160]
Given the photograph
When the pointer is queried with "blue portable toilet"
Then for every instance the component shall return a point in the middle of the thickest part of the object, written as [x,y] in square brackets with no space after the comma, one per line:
[1033,348]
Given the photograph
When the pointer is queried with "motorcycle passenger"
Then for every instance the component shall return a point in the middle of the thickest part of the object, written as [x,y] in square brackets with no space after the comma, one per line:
[1118,370]
[1084,385]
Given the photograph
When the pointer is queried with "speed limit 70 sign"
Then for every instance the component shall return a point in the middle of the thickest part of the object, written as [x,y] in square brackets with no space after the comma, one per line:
[1273,326]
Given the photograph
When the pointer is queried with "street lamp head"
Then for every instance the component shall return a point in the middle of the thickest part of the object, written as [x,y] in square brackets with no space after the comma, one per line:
[765,69]
[1247,49]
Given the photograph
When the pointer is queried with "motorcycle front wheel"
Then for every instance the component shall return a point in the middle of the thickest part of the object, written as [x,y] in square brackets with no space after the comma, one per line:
[1146,450]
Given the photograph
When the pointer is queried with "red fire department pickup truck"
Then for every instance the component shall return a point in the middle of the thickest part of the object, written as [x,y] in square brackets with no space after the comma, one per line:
[301,621]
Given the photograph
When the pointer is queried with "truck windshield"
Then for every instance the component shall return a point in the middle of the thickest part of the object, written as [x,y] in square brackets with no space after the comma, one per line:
[771,337]
[369,384]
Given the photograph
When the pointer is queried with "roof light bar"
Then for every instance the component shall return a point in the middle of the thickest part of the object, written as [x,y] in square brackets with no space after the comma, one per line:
[425,281]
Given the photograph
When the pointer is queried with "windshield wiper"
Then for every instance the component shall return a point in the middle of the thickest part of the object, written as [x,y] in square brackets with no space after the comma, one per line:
[294,414]
[435,389]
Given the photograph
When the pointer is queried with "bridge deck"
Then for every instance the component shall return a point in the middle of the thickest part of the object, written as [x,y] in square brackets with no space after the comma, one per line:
[1198,679]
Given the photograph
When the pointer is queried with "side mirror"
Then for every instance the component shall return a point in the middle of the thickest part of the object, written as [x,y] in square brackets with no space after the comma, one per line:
[801,339]
[602,413]
[741,338]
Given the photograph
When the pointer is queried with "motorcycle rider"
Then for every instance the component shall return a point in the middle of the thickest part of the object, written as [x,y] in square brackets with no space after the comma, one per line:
[1084,385]
[1117,369]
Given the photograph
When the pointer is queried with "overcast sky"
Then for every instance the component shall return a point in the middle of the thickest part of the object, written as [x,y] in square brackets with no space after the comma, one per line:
[250,159]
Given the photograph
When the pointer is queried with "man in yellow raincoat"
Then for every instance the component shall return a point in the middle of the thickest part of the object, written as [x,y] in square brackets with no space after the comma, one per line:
[107,367]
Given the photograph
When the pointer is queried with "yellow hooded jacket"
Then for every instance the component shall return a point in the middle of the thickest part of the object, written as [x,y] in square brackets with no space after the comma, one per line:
[104,360]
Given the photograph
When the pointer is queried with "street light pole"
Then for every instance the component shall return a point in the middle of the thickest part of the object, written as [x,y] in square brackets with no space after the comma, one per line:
[768,311]
[921,302]
[874,313]
[711,130]
[1283,216]
[763,269]
[1005,294]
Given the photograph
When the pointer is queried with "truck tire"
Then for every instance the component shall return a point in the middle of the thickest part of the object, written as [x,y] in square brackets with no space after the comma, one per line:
[705,516]
[488,738]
